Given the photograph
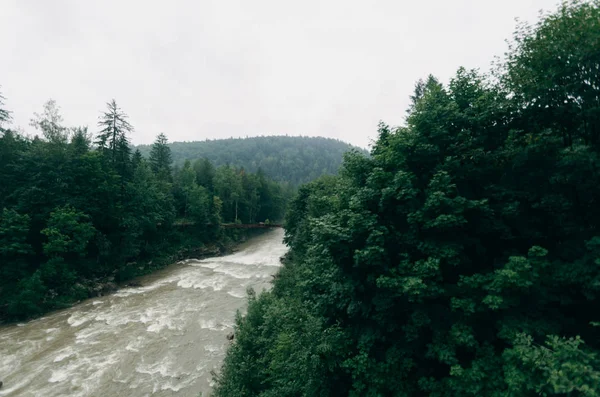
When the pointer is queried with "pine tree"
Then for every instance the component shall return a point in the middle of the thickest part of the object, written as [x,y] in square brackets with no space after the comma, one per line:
[160,158]
[137,159]
[205,173]
[123,157]
[113,136]
[4,114]
[113,141]
[80,141]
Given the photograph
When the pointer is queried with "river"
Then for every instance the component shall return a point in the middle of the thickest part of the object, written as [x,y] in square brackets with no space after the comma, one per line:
[161,339]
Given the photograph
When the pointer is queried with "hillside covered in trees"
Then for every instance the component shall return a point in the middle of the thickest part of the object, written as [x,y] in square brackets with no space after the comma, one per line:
[77,207]
[290,159]
[462,258]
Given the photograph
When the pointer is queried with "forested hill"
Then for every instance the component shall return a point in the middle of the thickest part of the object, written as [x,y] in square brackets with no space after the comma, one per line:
[292,159]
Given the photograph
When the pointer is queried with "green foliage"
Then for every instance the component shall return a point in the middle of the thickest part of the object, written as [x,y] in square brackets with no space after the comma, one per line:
[13,233]
[68,231]
[205,173]
[559,366]
[4,114]
[461,258]
[199,204]
[228,186]
[276,337]
[73,213]
[14,247]
[160,158]
[285,159]
[112,138]
[58,277]
[248,198]
[553,69]
[50,123]
[29,297]
[81,141]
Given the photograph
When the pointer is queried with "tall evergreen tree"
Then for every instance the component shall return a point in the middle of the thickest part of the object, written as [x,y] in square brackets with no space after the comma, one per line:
[160,158]
[228,186]
[205,173]
[112,137]
[122,161]
[80,141]
[136,159]
[4,114]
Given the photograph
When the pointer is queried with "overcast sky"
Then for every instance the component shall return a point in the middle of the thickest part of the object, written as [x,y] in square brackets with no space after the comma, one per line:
[215,69]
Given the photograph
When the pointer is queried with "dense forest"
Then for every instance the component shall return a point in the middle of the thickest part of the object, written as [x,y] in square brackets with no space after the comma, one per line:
[77,208]
[289,159]
[462,258]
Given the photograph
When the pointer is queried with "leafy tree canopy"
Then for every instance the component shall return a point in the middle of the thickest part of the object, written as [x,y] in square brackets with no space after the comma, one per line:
[462,257]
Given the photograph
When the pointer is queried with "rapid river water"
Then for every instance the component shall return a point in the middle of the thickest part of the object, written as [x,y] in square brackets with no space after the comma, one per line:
[162,339]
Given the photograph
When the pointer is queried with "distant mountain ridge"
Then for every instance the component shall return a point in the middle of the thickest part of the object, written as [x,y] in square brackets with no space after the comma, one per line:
[293,159]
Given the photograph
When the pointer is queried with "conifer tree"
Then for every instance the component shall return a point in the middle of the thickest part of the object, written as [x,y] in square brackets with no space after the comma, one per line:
[160,158]
[136,159]
[112,138]
[4,114]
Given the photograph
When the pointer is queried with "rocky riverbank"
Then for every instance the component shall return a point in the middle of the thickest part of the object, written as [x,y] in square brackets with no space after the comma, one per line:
[127,275]
[103,286]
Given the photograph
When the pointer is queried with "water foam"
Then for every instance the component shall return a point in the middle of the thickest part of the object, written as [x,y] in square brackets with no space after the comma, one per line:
[213,325]
[237,271]
[159,319]
[207,265]
[79,318]
[161,368]
[215,282]
[13,387]
[116,330]
[213,349]
[237,294]
[83,336]
[136,345]
[64,353]
[125,292]
[59,375]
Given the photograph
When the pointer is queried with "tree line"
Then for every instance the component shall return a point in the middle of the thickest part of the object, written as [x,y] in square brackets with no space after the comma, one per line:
[462,258]
[77,207]
[287,159]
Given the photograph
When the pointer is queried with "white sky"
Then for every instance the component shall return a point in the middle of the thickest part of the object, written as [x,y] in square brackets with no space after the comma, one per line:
[219,68]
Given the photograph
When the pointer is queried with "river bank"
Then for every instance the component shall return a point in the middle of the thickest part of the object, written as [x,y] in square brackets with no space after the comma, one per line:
[180,246]
[224,245]
[162,338]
